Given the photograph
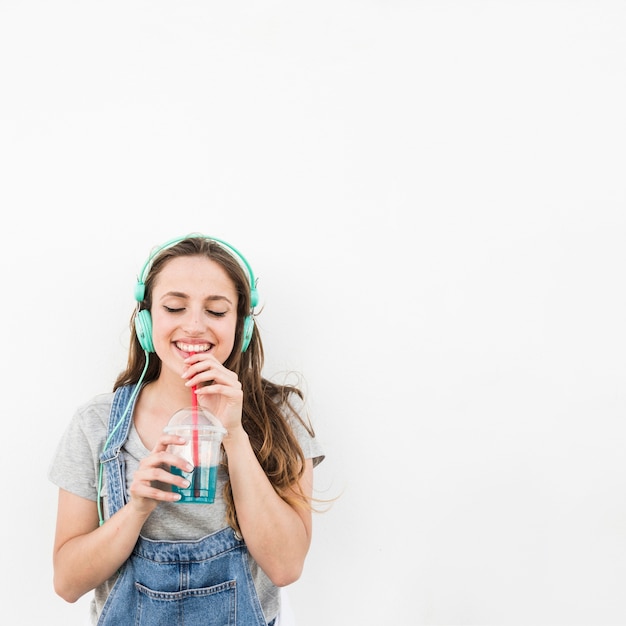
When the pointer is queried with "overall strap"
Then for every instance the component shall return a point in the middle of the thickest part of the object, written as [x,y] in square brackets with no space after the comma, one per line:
[120,419]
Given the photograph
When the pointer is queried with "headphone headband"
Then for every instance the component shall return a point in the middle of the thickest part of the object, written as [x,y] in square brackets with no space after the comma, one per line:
[140,287]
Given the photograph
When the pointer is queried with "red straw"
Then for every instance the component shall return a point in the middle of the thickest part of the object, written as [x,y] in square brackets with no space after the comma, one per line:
[196,454]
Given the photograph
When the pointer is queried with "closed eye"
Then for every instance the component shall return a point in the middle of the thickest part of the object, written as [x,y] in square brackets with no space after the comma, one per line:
[170,309]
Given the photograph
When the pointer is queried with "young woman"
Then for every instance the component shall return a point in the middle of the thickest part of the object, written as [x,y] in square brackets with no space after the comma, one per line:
[120,528]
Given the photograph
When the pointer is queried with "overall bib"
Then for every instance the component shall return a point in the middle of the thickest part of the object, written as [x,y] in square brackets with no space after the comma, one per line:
[206,582]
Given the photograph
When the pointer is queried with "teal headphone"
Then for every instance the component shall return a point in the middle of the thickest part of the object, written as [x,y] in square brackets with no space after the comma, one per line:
[143,319]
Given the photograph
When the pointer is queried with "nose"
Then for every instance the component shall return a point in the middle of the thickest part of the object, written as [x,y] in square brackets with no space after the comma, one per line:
[194,322]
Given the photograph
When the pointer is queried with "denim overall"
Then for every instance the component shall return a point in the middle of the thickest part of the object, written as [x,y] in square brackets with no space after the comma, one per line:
[206,582]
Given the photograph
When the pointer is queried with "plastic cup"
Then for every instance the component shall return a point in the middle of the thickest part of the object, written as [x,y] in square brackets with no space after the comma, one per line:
[203,434]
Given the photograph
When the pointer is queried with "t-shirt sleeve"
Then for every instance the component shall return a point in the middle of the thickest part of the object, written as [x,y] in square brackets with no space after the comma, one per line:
[311,446]
[75,462]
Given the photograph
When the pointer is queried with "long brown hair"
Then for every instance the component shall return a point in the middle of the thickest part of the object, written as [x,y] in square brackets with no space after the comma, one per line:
[266,404]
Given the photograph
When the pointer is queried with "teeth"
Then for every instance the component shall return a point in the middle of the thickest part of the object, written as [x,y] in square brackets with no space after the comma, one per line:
[188,347]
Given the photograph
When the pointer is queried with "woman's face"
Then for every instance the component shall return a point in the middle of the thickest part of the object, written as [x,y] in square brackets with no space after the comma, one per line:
[194,308]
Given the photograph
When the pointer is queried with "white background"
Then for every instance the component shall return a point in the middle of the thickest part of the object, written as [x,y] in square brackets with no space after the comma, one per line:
[432,197]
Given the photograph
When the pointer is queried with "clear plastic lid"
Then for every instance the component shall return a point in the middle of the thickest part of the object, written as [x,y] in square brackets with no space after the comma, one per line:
[188,418]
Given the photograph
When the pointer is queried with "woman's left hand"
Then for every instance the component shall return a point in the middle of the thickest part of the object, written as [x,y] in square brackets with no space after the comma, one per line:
[218,388]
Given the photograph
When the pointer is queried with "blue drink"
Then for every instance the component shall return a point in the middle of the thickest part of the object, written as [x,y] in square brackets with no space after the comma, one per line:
[202,481]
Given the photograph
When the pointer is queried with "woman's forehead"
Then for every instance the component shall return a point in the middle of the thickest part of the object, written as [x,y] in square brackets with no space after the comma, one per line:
[193,273]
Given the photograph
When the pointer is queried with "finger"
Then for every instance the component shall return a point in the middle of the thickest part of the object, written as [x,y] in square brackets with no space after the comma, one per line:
[199,362]
[167,477]
[229,391]
[159,460]
[155,480]
[210,369]
[148,491]
[212,377]
[165,441]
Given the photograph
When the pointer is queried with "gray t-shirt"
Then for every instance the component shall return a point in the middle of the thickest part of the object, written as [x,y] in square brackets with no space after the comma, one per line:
[75,467]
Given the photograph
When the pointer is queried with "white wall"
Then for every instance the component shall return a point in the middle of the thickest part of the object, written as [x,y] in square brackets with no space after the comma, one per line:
[432,196]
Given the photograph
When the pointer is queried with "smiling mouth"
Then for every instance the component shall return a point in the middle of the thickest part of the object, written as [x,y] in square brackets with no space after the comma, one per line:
[195,347]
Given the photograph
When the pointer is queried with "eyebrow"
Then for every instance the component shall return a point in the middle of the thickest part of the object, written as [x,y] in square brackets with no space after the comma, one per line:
[184,296]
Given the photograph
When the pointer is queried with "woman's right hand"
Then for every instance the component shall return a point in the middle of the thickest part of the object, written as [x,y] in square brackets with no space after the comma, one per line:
[145,490]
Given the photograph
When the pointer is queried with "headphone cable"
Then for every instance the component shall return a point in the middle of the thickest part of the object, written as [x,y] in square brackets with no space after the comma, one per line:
[119,423]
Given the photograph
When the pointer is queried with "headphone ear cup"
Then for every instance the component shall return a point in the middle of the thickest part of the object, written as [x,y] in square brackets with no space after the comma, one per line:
[143,328]
[248,327]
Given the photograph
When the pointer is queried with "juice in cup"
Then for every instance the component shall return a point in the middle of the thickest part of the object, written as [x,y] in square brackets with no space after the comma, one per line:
[203,435]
